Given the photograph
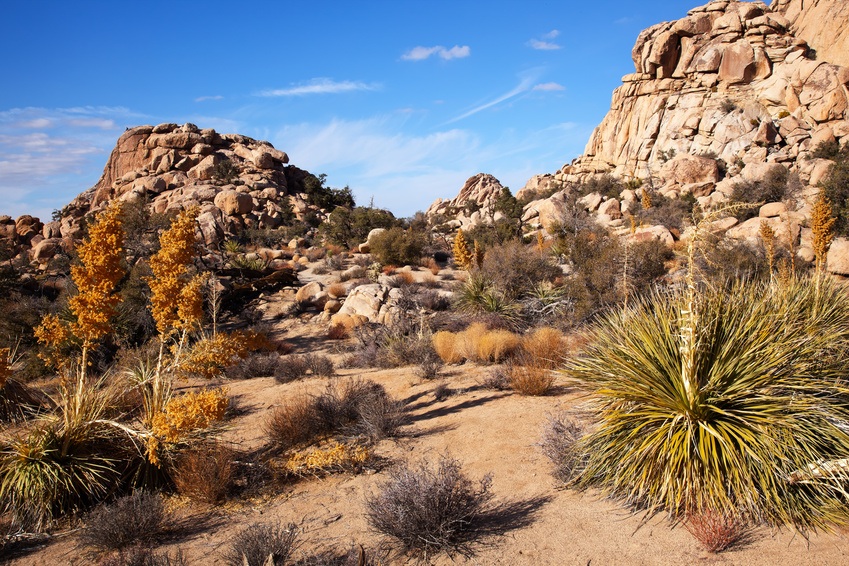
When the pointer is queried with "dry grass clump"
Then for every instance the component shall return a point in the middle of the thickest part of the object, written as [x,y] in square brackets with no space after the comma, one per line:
[446,345]
[262,544]
[533,380]
[717,531]
[294,423]
[476,343]
[204,473]
[257,365]
[336,290]
[132,519]
[545,346]
[338,332]
[143,556]
[430,509]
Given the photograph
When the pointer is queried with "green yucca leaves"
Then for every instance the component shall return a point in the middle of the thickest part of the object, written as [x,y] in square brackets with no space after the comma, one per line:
[767,398]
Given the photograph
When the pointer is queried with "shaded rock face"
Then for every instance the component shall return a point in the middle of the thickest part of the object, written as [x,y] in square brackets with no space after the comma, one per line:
[729,81]
[824,24]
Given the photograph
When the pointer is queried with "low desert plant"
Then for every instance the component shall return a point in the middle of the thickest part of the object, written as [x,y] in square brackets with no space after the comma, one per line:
[338,332]
[294,367]
[446,346]
[430,509]
[729,400]
[262,545]
[204,473]
[544,346]
[559,444]
[132,519]
[533,380]
[143,556]
[257,365]
[331,458]
[717,531]
[476,343]
[293,423]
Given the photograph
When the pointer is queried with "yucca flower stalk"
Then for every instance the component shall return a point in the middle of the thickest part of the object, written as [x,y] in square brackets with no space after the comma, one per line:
[730,423]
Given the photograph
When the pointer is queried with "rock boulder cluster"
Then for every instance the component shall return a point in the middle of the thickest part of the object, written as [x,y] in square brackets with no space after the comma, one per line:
[236,181]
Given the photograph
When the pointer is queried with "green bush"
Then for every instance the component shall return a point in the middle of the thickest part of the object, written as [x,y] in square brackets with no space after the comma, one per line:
[727,402]
[397,246]
[349,227]
[777,186]
[836,188]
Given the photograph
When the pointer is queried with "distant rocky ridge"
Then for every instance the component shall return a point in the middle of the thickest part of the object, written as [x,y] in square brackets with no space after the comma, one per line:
[236,181]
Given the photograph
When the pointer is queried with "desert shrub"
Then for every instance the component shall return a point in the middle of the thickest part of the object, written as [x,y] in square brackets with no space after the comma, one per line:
[728,261]
[777,186]
[295,367]
[494,346]
[334,457]
[478,295]
[531,379]
[336,290]
[835,185]
[338,332]
[18,401]
[294,423]
[430,509]
[445,344]
[498,379]
[204,473]
[137,518]
[271,237]
[606,185]
[559,444]
[353,408]
[514,268]
[497,233]
[143,556]
[397,246]
[257,365]
[255,544]
[544,346]
[738,399]
[350,227]
[665,211]
[717,531]
[396,346]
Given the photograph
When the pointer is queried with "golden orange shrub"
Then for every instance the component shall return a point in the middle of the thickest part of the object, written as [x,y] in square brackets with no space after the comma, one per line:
[189,413]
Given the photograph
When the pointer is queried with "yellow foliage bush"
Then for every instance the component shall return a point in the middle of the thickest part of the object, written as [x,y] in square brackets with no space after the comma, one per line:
[445,345]
[320,460]
[170,279]
[209,356]
[189,413]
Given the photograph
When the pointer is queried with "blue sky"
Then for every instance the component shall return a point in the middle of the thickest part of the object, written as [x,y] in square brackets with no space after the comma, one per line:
[400,100]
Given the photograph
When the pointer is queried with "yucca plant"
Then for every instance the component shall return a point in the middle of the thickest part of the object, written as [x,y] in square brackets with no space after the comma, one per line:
[727,402]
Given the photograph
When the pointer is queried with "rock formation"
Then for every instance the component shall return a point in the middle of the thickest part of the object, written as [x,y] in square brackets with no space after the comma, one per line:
[822,23]
[237,182]
[475,203]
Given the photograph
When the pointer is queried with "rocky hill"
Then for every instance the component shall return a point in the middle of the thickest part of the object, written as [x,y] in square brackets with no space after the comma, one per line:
[238,183]
[822,23]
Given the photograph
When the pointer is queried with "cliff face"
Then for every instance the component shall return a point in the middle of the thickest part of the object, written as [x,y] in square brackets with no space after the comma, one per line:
[731,81]
[824,24]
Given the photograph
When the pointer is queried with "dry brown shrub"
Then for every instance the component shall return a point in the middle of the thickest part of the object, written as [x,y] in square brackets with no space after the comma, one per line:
[717,531]
[433,266]
[315,254]
[530,379]
[445,343]
[205,473]
[545,346]
[336,290]
[294,423]
[405,277]
[467,340]
[389,269]
[338,332]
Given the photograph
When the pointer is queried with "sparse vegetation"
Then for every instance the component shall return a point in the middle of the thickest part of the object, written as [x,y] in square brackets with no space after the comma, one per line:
[430,508]
[132,519]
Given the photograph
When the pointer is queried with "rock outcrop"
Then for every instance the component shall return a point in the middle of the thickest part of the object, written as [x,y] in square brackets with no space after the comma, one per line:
[822,23]
[474,204]
[730,81]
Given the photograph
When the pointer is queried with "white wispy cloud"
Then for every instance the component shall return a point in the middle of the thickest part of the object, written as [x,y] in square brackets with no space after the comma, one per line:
[320,86]
[544,42]
[49,155]
[205,98]
[421,53]
[549,87]
[524,85]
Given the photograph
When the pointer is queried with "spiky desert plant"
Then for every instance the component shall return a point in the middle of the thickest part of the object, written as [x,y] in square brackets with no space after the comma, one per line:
[462,255]
[726,416]
[767,235]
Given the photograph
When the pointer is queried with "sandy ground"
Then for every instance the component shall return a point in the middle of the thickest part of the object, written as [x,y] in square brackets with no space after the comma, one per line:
[490,432]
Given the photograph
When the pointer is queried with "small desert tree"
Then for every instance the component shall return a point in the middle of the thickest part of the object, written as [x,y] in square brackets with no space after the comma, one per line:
[462,254]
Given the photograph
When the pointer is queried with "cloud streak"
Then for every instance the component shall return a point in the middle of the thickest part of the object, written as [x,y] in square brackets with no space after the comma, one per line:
[544,43]
[421,53]
[524,85]
[319,86]
[549,87]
